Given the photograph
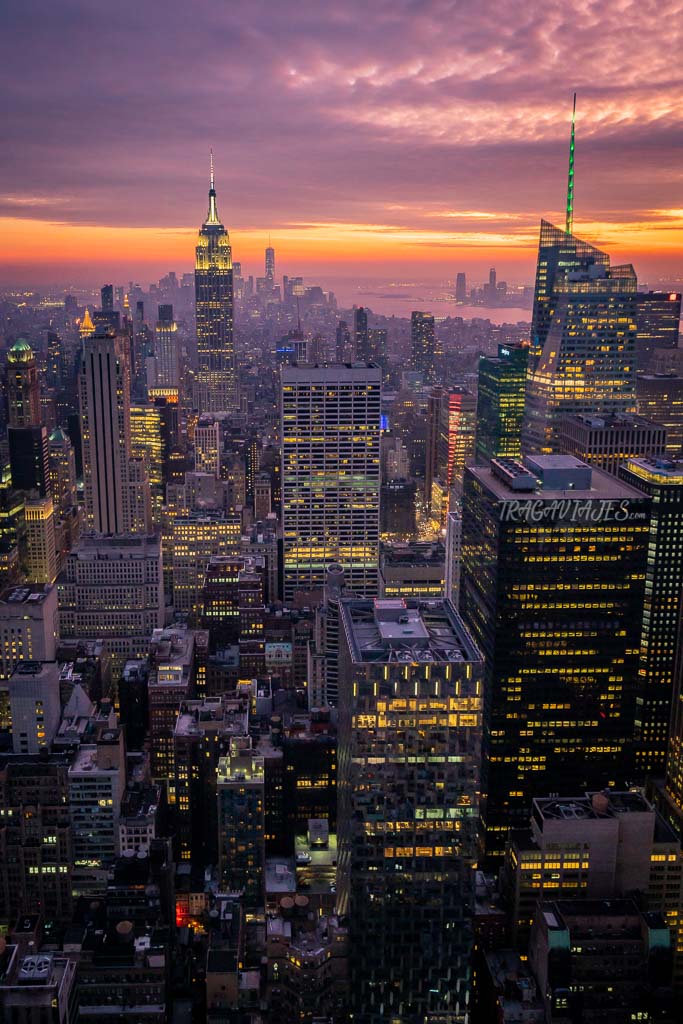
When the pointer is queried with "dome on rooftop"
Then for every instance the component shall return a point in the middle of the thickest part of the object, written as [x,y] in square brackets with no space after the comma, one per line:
[20,352]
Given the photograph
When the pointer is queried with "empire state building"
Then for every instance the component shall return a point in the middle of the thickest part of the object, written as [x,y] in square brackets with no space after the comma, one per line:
[216,380]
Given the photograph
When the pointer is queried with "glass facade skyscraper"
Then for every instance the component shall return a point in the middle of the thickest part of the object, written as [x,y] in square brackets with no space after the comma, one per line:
[501,403]
[423,345]
[216,379]
[586,364]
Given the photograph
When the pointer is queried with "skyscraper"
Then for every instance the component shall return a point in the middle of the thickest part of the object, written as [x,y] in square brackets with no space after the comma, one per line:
[330,428]
[423,345]
[660,398]
[166,349]
[552,586]
[41,547]
[500,403]
[216,379]
[410,702]
[461,288]
[657,318]
[451,420]
[23,390]
[662,480]
[586,363]
[114,482]
[270,265]
[342,342]
[361,338]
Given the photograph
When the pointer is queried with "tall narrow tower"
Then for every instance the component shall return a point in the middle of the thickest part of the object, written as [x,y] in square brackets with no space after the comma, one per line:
[216,380]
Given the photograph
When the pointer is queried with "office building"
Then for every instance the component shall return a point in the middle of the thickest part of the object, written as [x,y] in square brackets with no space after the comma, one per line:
[660,398]
[461,287]
[216,377]
[662,480]
[410,707]
[62,469]
[97,782]
[453,555]
[111,588]
[412,569]
[330,475]
[23,389]
[116,489]
[41,548]
[207,446]
[36,853]
[172,664]
[423,345]
[658,316]
[197,538]
[166,349]
[29,459]
[241,822]
[587,363]
[451,427]
[28,632]
[559,251]
[154,438]
[35,708]
[607,443]
[601,960]
[557,615]
[501,398]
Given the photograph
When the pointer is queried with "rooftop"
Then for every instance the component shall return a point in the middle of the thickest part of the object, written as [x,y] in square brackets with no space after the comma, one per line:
[28,593]
[406,630]
[601,485]
[657,470]
[592,806]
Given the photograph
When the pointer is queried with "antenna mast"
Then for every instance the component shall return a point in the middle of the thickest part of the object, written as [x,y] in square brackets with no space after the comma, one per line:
[569,222]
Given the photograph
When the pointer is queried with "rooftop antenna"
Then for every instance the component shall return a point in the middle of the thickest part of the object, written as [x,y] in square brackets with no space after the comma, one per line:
[569,222]
[211,163]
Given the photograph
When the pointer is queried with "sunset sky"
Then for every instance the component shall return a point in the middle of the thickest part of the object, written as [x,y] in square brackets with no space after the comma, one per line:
[382,138]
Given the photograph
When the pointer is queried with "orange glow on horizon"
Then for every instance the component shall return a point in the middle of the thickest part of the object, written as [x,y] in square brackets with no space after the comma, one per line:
[514,238]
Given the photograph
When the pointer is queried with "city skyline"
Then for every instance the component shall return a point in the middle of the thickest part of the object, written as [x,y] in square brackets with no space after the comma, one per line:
[404,150]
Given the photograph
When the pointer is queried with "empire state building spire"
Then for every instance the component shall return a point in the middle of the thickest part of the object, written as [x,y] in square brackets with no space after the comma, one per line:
[215,387]
[212,217]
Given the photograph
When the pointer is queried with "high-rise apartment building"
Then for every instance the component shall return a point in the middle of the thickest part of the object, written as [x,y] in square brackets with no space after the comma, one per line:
[410,706]
[423,345]
[607,443]
[216,379]
[115,502]
[41,546]
[166,354]
[23,389]
[587,362]
[330,428]
[501,397]
[552,586]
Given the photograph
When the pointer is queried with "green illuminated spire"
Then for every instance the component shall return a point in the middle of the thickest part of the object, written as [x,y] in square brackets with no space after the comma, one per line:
[569,223]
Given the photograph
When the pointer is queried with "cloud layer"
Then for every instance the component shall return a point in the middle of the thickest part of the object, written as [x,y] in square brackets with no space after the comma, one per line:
[405,126]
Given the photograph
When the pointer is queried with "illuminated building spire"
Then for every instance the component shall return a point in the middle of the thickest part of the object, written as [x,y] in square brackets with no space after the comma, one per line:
[212,217]
[569,223]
